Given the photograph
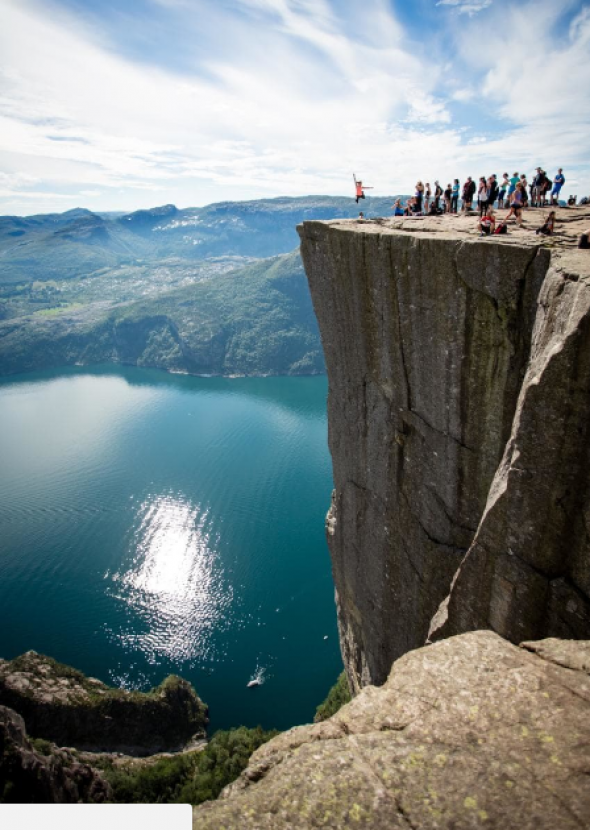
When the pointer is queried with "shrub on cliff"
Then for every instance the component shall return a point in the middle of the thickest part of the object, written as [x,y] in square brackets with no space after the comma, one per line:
[190,778]
[338,695]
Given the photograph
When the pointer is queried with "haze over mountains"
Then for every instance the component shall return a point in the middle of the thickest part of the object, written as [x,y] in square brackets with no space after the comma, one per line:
[212,290]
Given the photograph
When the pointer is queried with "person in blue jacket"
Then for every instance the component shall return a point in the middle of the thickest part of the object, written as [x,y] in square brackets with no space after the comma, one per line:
[558,183]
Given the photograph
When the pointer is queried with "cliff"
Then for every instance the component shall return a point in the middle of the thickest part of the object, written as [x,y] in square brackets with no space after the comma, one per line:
[472,732]
[60,704]
[52,776]
[459,388]
[459,379]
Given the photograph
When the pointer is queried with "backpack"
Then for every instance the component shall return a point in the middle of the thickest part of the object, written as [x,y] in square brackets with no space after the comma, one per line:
[502,228]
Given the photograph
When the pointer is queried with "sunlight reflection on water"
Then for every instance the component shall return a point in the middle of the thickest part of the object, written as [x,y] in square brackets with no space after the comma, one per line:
[174,581]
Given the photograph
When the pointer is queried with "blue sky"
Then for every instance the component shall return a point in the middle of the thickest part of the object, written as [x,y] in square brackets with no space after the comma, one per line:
[121,104]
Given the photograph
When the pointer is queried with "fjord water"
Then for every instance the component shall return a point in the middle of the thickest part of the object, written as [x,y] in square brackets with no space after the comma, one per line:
[154,523]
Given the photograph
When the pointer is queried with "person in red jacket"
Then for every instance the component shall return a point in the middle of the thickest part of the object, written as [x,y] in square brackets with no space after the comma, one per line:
[360,188]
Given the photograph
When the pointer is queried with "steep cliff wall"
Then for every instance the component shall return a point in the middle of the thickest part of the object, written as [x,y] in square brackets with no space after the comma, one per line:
[427,332]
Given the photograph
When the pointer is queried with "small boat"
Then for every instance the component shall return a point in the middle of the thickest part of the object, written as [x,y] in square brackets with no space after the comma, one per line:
[255,682]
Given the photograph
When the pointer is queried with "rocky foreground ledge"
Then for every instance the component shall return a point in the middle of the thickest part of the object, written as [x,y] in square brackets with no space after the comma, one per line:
[62,705]
[472,732]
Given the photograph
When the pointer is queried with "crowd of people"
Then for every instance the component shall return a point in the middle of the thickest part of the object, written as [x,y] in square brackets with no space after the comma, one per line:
[513,192]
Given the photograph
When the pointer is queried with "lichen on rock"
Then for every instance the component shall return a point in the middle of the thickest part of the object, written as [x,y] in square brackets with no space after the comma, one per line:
[469,732]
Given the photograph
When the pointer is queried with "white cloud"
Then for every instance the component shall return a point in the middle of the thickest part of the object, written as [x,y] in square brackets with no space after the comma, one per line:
[294,102]
[469,7]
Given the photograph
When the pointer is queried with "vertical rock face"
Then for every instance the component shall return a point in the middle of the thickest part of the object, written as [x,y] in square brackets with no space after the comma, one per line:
[527,573]
[427,338]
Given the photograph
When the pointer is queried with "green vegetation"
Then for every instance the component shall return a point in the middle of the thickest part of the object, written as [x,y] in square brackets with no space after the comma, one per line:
[202,290]
[257,320]
[338,695]
[192,777]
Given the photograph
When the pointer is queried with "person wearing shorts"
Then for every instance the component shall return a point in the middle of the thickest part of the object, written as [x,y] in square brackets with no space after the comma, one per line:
[516,203]
[558,183]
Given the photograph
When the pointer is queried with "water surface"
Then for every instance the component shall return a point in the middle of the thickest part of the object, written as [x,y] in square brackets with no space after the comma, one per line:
[152,523]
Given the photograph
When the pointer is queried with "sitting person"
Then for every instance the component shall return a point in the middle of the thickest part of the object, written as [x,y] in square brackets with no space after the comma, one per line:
[397,208]
[583,240]
[433,210]
[487,222]
[548,226]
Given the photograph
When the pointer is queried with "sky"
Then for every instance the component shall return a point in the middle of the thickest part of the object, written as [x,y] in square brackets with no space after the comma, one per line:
[127,104]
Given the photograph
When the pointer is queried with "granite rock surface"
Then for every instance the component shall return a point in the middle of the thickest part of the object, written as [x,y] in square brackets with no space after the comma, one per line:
[458,413]
[471,732]
[53,776]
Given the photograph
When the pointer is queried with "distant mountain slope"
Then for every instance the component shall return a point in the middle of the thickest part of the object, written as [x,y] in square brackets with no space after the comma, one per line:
[255,321]
[78,243]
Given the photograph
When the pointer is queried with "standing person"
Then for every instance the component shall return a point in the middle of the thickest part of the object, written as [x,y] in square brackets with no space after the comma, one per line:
[516,202]
[513,182]
[482,196]
[545,188]
[437,194]
[455,197]
[360,189]
[492,189]
[448,194]
[427,195]
[419,196]
[536,188]
[503,188]
[525,195]
[468,193]
[558,183]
